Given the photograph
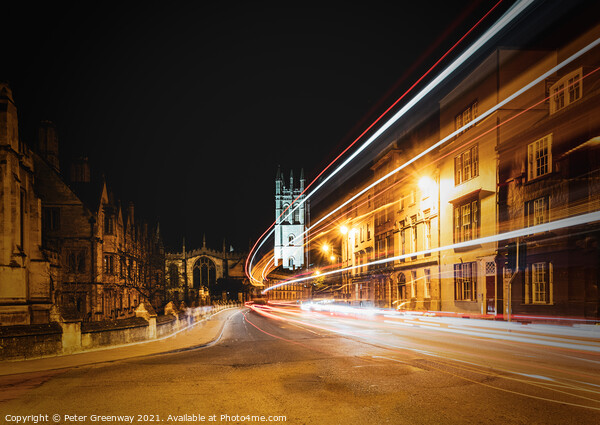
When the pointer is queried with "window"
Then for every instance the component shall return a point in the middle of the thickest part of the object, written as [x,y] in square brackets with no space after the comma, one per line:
[465,116]
[466,221]
[427,236]
[566,91]
[427,285]
[109,264]
[465,281]
[297,215]
[403,239]
[413,284]
[76,261]
[401,286]
[539,283]
[536,211]
[466,165]
[109,224]
[291,240]
[51,218]
[539,157]
[368,232]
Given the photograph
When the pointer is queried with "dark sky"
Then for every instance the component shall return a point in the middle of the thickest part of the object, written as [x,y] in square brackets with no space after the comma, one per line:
[189,108]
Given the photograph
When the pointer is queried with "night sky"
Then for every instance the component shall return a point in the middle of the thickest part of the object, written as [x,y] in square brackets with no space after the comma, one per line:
[189,108]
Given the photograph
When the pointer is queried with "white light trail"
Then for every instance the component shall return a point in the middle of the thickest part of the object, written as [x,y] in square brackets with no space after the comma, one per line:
[461,129]
[508,17]
[546,227]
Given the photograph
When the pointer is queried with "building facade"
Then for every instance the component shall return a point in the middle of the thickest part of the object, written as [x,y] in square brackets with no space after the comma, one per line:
[290,223]
[204,275]
[26,275]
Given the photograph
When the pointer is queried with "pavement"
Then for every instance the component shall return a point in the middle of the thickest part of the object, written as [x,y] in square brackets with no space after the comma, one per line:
[203,333]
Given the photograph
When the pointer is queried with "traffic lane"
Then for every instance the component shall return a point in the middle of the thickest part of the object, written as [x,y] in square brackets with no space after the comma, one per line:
[484,349]
[261,366]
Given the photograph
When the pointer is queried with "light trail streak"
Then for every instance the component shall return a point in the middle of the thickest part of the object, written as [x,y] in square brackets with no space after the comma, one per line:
[550,380]
[545,227]
[461,129]
[320,231]
[511,14]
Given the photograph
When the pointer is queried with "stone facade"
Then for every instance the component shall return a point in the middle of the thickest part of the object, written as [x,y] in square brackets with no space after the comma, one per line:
[106,263]
[205,274]
[290,222]
[26,281]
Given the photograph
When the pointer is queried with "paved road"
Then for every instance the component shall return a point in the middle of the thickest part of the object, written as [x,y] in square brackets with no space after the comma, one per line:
[374,373]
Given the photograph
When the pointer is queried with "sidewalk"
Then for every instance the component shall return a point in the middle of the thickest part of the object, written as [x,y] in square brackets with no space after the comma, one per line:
[200,334]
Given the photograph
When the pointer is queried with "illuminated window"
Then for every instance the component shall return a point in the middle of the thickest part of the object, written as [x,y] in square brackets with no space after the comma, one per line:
[537,211]
[427,235]
[427,285]
[401,286]
[413,284]
[466,221]
[539,157]
[566,91]
[466,165]
[465,281]
[466,116]
[109,265]
[538,283]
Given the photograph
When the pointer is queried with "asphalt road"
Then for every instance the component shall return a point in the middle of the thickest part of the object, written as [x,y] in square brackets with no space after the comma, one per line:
[315,368]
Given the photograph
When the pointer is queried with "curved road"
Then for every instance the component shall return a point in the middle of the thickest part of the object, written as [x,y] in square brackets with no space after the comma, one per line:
[315,368]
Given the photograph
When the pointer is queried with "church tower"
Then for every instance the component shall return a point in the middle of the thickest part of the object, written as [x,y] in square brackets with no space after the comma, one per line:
[290,222]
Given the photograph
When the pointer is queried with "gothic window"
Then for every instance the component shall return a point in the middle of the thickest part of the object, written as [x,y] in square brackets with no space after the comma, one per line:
[285,213]
[291,240]
[207,274]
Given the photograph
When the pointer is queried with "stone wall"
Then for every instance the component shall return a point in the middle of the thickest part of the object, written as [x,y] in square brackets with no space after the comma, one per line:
[27,341]
[66,337]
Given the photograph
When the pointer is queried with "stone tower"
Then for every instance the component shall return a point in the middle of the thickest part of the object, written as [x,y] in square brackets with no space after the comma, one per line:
[290,222]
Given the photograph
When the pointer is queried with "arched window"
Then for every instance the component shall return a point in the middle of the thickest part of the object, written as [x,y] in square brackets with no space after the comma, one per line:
[206,274]
[285,213]
[297,214]
[291,262]
[291,240]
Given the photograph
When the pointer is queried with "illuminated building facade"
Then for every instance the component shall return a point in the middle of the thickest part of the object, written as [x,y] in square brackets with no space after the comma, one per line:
[25,273]
[205,274]
[290,222]
[105,263]
[549,169]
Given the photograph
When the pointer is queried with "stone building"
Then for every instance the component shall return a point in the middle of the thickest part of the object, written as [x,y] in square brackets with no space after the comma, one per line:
[290,222]
[205,274]
[26,281]
[549,169]
[106,263]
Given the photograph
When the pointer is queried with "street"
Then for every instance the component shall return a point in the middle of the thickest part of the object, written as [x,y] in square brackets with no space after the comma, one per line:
[318,367]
